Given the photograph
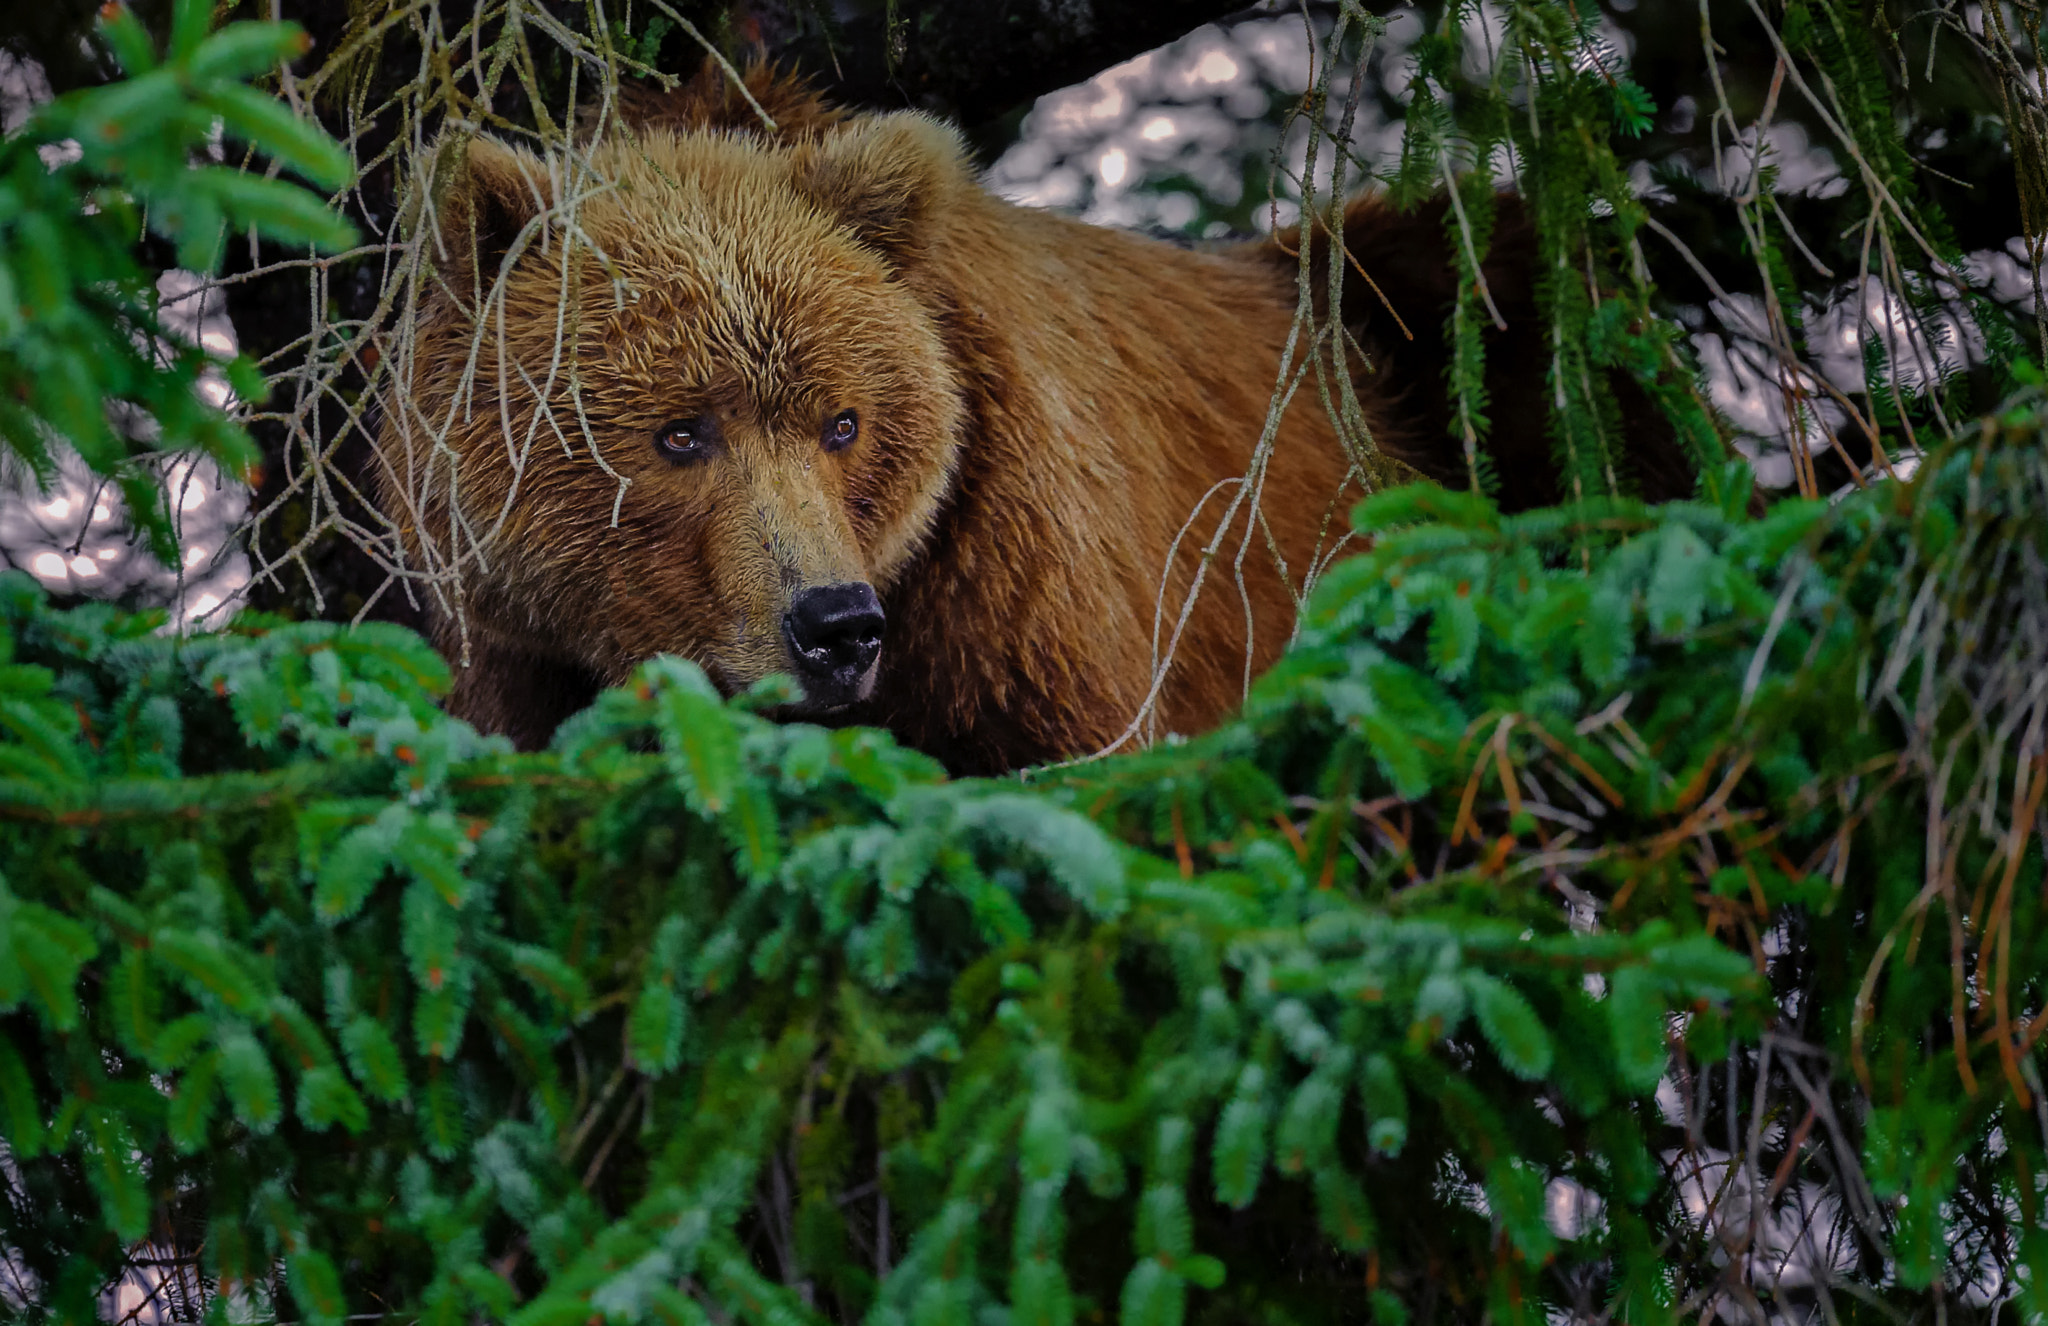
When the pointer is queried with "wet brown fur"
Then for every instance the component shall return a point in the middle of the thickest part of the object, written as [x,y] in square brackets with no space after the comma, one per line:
[1043,405]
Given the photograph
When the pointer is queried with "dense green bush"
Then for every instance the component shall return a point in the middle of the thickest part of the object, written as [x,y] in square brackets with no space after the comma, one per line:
[700,1015]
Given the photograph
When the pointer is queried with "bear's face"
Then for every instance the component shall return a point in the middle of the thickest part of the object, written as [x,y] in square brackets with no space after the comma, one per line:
[708,413]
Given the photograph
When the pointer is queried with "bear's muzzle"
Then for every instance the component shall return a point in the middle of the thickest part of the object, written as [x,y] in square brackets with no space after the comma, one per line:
[834,633]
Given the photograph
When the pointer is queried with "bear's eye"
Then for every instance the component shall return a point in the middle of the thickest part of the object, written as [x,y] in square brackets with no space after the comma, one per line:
[683,440]
[841,432]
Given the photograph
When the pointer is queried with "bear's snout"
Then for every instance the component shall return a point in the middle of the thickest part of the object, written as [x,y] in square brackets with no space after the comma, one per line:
[835,637]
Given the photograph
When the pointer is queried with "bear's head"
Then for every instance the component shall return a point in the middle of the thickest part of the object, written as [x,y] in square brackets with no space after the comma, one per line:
[679,393]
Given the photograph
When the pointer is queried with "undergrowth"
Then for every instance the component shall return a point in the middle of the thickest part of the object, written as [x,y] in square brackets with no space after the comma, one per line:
[1329,1013]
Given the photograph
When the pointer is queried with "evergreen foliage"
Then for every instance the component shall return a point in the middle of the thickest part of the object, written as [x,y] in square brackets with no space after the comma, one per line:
[80,330]
[698,1015]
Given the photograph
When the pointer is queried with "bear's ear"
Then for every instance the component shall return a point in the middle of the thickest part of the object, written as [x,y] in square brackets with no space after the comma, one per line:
[884,178]
[476,198]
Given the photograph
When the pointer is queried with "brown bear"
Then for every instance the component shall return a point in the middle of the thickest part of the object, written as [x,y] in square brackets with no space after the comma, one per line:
[812,401]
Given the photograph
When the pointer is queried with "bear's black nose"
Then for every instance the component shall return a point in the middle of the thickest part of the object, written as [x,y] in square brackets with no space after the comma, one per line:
[835,634]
